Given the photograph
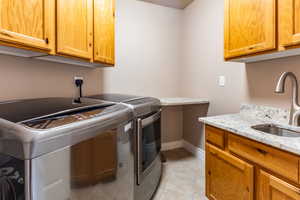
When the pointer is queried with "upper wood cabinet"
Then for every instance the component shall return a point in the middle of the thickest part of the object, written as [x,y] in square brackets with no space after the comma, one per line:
[75,28]
[272,188]
[289,22]
[250,27]
[65,29]
[30,24]
[104,31]
[227,177]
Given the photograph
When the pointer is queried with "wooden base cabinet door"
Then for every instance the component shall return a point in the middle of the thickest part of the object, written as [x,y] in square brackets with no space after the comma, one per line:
[272,188]
[75,28]
[227,177]
[250,27]
[27,23]
[104,30]
[289,22]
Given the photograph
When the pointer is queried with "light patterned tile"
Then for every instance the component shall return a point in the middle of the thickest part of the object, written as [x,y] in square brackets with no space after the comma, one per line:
[183,177]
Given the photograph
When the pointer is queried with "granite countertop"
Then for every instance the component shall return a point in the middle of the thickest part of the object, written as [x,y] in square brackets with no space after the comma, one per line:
[178,101]
[250,115]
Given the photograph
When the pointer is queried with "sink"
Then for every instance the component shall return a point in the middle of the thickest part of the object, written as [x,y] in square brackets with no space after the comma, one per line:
[276,130]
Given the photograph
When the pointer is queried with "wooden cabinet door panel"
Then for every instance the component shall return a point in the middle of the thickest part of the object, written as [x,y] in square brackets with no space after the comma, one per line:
[278,161]
[215,136]
[227,177]
[75,28]
[250,27]
[29,23]
[272,188]
[104,30]
[289,22]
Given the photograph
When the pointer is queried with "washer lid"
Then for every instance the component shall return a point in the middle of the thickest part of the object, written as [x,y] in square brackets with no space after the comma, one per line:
[23,110]
[118,98]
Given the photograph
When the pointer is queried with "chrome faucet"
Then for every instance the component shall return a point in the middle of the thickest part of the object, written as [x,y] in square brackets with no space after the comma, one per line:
[295,108]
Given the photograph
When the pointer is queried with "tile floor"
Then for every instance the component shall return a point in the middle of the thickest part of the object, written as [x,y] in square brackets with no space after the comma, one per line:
[183,177]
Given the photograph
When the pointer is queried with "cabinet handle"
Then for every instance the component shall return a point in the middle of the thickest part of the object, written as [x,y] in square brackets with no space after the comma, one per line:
[47,40]
[214,154]
[5,34]
[261,151]
[247,189]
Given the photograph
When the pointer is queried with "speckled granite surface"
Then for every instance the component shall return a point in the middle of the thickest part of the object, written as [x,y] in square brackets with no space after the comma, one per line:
[251,115]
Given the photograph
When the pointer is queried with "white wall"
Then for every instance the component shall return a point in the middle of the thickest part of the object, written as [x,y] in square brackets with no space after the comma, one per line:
[147,50]
[29,78]
[203,58]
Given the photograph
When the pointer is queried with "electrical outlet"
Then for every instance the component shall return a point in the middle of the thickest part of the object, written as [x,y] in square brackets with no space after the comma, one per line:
[78,78]
[222,81]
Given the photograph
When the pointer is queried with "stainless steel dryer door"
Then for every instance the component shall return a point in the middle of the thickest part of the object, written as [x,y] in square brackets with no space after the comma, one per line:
[99,168]
[149,144]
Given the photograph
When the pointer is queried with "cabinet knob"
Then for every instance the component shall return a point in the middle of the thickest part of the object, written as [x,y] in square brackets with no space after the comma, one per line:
[47,40]
[247,189]
[262,151]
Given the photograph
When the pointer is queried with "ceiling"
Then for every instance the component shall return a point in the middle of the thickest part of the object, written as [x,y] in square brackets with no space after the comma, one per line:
[179,4]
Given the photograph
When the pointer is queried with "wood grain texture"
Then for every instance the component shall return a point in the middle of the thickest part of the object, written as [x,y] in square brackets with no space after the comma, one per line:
[289,23]
[227,177]
[215,136]
[278,161]
[272,188]
[104,31]
[75,28]
[250,27]
[29,23]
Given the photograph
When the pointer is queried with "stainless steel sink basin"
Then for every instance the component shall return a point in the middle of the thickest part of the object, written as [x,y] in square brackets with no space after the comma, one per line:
[276,130]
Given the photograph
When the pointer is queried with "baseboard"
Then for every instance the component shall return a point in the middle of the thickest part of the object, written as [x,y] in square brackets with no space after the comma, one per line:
[172,145]
[198,152]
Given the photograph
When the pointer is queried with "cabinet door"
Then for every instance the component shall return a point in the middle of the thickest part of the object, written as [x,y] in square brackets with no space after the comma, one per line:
[289,22]
[104,30]
[249,27]
[28,23]
[272,188]
[227,177]
[75,28]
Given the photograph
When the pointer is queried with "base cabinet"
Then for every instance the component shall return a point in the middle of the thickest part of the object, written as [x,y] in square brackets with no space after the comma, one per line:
[244,169]
[227,177]
[272,188]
